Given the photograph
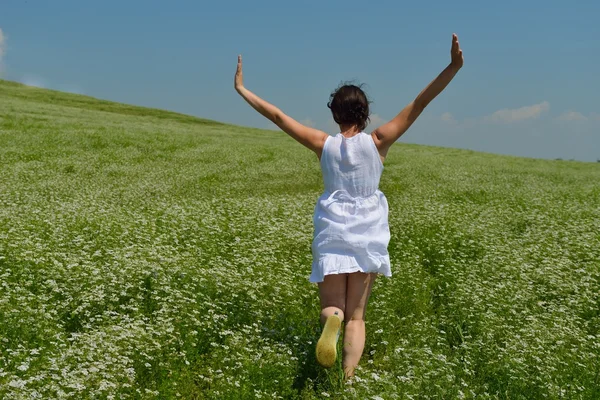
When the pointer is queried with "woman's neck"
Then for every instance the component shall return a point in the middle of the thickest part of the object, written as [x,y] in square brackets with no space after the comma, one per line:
[349,130]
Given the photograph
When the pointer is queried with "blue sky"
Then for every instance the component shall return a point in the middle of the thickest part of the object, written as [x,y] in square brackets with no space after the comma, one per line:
[529,87]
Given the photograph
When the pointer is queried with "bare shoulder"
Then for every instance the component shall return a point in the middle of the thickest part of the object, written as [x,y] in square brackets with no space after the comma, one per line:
[382,147]
[320,143]
[377,139]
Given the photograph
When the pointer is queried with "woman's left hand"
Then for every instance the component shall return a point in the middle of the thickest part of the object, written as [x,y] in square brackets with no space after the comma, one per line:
[239,78]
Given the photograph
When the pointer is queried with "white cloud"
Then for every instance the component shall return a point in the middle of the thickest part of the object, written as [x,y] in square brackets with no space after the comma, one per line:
[449,118]
[376,121]
[37,81]
[331,126]
[595,116]
[69,88]
[308,122]
[572,116]
[2,47]
[519,114]
[34,81]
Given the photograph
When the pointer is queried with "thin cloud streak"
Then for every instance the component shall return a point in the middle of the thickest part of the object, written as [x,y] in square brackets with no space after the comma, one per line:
[449,118]
[519,114]
[572,116]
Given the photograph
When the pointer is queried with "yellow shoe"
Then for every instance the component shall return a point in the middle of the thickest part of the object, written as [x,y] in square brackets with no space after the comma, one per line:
[327,344]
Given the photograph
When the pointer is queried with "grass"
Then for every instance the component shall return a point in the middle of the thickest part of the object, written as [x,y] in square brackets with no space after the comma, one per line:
[147,254]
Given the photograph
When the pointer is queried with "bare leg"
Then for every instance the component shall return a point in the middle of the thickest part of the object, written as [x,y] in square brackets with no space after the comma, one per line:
[332,292]
[358,291]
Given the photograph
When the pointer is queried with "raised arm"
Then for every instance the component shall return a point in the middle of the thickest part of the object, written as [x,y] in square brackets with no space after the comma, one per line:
[387,134]
[309,137]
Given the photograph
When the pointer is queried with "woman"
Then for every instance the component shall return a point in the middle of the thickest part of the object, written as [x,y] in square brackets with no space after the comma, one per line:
[351,218]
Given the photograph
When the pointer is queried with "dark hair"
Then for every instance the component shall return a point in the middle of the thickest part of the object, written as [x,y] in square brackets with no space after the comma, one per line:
[349,105]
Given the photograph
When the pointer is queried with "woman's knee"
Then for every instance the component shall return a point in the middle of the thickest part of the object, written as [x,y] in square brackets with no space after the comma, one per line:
[356,316]
[326,312]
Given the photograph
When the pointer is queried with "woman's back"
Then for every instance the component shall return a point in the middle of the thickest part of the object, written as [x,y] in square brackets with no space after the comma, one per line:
[351,229]
[351,165]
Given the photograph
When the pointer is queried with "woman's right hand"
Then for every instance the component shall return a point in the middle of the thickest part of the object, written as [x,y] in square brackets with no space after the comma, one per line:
[239,78]
[456,53]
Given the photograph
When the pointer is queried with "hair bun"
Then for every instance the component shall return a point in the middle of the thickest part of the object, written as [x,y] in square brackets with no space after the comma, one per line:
[349,105]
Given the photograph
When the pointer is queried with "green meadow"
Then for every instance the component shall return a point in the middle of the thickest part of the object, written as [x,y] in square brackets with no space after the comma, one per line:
[146,254]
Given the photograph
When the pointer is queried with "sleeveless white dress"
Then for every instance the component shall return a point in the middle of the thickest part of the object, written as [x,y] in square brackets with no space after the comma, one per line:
[351,231]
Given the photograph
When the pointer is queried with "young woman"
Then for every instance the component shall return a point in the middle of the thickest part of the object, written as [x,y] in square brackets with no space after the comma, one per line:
[351,232]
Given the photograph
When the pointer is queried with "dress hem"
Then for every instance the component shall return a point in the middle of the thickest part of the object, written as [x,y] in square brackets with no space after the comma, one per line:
[324,266]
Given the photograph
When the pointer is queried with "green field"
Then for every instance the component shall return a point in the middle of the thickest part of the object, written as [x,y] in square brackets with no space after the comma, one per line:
[148,254]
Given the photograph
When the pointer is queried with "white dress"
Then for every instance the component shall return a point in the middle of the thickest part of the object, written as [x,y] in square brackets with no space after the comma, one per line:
[351,231]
